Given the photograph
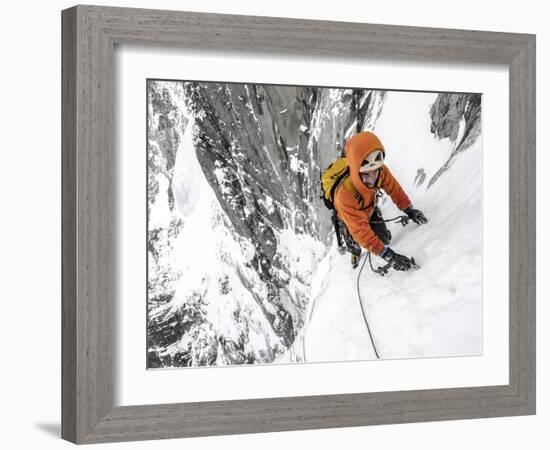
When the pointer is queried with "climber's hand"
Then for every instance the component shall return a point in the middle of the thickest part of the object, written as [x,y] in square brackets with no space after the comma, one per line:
[397,261]
[416,215]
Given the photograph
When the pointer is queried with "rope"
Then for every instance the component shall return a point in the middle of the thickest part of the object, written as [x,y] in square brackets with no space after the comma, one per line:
[362,307]
[403,219]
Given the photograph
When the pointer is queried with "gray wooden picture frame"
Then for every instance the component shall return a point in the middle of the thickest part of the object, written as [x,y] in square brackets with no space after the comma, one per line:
[89,36]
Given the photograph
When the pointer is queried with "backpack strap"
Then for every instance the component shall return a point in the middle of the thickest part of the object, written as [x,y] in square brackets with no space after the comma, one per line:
[356,194]
[341,179]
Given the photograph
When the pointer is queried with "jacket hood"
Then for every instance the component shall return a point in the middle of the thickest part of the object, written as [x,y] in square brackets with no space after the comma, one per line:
[357,149]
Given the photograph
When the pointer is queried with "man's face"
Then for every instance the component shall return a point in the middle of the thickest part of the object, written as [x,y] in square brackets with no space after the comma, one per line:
[370,177]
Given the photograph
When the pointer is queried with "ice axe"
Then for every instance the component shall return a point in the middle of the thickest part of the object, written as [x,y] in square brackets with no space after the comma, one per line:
[383,270]
[403,220]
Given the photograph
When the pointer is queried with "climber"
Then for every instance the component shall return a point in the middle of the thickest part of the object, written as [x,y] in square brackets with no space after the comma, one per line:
[355,201]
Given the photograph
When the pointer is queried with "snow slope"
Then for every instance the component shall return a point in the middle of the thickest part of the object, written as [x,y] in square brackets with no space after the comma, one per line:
[210,259]
[434,311]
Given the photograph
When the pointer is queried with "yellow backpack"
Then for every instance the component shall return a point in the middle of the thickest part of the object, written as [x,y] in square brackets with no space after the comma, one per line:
[331,178]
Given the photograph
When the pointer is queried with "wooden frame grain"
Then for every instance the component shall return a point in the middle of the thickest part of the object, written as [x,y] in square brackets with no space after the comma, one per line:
[89,35]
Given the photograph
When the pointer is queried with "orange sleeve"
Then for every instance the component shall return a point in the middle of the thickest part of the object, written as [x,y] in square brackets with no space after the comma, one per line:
[394,189]
[357,222]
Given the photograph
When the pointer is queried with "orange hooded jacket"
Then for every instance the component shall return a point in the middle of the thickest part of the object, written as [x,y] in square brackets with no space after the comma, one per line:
[355,202]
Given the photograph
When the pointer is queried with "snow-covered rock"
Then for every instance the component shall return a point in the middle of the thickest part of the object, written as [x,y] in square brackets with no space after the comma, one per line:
[241,256]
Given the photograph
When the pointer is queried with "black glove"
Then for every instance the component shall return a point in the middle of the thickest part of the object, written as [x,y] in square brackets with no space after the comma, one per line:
[416,215]
[398,262]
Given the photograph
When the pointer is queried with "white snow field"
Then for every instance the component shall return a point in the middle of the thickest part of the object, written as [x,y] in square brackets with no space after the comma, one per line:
[430,312]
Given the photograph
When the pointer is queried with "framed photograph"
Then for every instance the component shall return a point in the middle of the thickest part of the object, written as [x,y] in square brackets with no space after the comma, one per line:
[264,229]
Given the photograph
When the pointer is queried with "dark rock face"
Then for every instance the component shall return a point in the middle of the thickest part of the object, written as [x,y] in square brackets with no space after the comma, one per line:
[457,117]
[165,127]
[167,326]
[257,151]
[249,137]
[252,144]
[420,177]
